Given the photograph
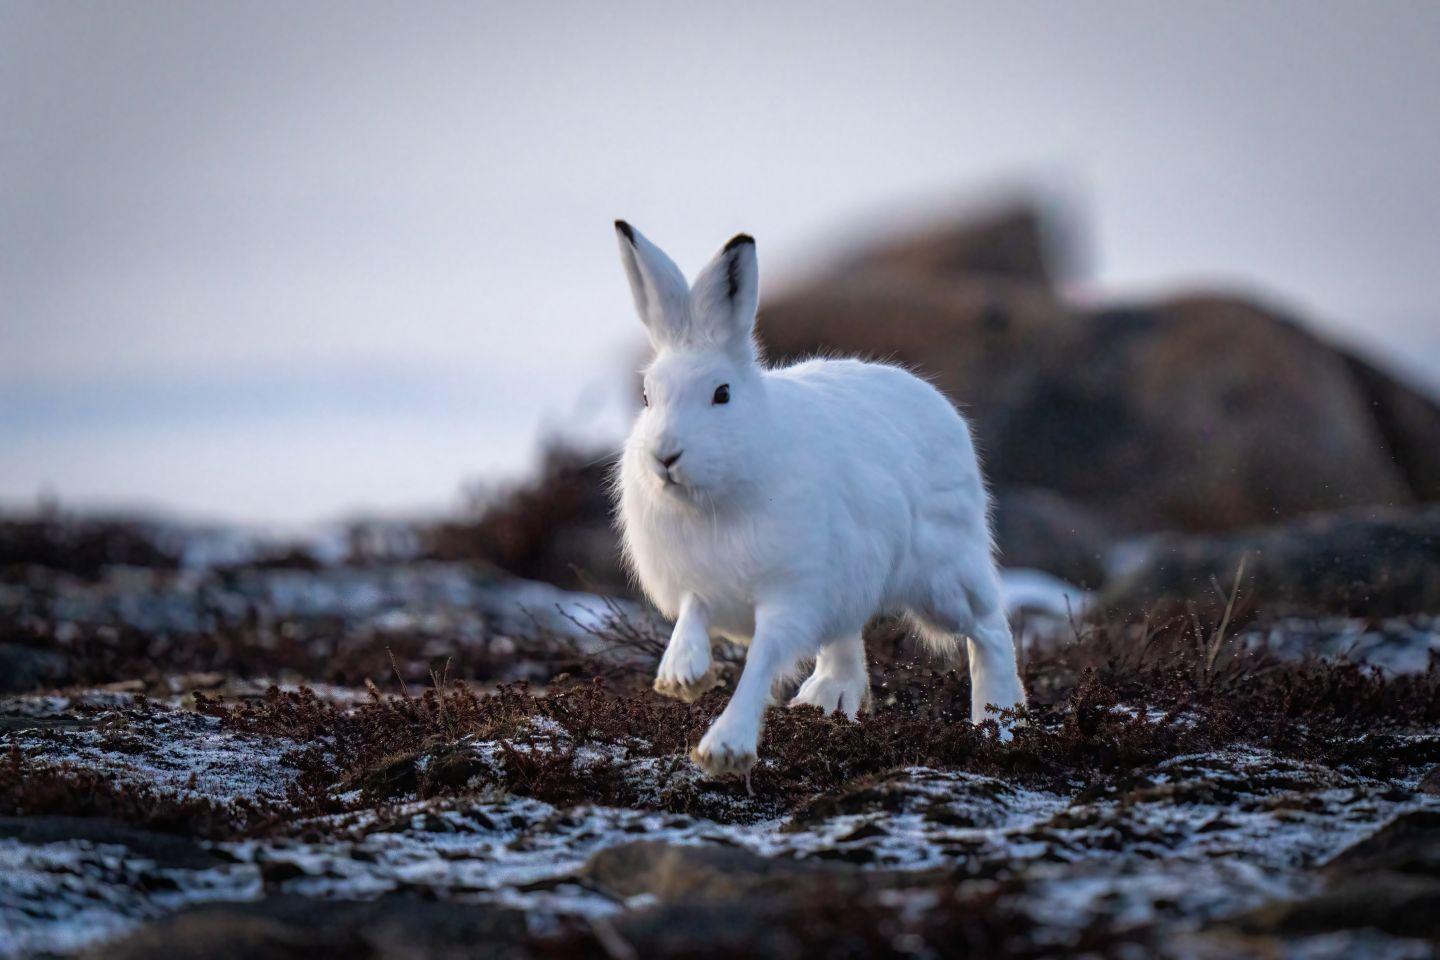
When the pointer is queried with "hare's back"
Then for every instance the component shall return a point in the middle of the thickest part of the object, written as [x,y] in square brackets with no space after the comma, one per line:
[879,410]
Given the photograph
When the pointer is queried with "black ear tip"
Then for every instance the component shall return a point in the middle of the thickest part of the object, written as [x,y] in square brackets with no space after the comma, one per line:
[737,240]
[626,229]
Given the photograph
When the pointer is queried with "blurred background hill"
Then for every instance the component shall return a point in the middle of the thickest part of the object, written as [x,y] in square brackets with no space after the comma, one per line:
[351,265]
[264,263]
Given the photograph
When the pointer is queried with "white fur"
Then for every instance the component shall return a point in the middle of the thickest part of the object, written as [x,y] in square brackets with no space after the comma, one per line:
[820,495]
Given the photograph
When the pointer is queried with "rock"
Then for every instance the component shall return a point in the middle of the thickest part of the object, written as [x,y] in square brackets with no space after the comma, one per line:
[980,801]
[1408,844]
[775,927]
[1410,424]
[165,850]
[672,872]
[1241,417]
[1040,529]
[986,344]
[285,926]
[1390,882]
[1360,563]
[1403,906]
[720,901]
[1011,243]
[1220,943]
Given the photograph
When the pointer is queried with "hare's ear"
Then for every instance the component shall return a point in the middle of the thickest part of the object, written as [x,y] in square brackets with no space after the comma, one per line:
[662,297]
[725,295]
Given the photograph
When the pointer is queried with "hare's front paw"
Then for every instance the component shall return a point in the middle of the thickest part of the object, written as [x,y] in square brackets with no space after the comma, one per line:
[688,689]
[725,750]
[686,671]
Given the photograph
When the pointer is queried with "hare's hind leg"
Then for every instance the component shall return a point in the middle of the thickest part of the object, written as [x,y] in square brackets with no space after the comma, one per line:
[994,676]
[840,682]
[964,599]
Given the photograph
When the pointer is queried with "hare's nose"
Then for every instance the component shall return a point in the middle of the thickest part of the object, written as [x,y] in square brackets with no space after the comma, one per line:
[668,462]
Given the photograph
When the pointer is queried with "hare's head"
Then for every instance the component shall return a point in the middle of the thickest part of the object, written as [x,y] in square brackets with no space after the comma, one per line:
[704,396]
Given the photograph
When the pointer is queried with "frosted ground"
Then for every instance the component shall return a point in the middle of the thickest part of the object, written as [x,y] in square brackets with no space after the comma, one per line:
[208,795]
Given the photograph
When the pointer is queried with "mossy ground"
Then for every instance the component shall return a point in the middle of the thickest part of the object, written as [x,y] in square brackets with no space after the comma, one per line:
[379,744]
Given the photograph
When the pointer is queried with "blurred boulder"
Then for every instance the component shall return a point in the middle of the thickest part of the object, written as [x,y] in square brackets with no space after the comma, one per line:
[1197,413]
[1388,881]
[1204,413]
[983,342]
[396,927]
[1402,906]
[1408,844]
[1409,423]
[669,871]
[1011,243]
[1039,529]
[1361,563]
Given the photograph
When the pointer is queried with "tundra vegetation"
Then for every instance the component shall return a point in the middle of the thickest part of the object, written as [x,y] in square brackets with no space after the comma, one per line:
[213,748]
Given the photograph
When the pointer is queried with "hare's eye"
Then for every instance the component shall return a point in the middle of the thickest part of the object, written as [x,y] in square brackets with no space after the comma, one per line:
[644,398]
[722,394]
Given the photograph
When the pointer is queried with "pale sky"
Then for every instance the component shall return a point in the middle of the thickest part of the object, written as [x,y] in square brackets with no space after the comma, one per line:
[285,261]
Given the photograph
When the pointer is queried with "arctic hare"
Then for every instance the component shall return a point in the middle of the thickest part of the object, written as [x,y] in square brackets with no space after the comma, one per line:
[783,507]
